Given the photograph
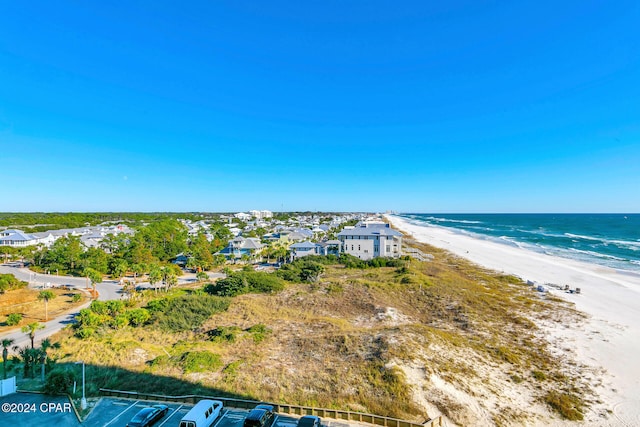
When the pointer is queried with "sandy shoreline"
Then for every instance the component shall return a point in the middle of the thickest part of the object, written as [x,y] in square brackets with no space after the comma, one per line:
[610,339]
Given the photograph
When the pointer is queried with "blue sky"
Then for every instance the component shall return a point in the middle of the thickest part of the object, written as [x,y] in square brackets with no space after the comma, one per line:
[496,106]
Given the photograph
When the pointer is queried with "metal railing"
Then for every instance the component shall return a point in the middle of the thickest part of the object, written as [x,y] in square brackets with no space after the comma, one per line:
[280,408]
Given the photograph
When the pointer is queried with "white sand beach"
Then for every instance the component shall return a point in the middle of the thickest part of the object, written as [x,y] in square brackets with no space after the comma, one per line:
[610,339]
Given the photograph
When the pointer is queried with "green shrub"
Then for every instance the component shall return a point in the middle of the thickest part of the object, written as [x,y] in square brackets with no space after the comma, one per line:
[158,305]
[13,319]
[8,282]
[76,297]
[120,321]
[200,361]
[259,332]
[224,334]
[59,381]
[114,307]
[243,282]
[99,307]
[138,316]
[189,312]
[87,317]
[85,332]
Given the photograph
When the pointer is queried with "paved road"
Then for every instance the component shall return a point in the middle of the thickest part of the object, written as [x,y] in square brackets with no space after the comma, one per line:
[107,290]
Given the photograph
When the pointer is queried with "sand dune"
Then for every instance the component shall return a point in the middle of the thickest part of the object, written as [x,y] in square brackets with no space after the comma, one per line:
[610,339]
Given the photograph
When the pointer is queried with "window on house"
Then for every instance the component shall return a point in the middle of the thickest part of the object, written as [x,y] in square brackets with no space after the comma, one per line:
[358,247]
[366,251]
[388,248]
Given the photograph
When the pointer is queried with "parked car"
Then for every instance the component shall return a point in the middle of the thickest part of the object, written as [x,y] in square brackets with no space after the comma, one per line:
[260,416]
[203,414]
[147,416]
[310,421]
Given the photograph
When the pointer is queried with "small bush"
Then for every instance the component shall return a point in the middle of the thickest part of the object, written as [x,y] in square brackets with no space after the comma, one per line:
[138,316]
[245,282]
[567,405]
[158,305]
[224,334]
[259,332]
[13,319]
[189,312]
[8,282]
[59,381]
[85,332]
[76,297]
[200,361]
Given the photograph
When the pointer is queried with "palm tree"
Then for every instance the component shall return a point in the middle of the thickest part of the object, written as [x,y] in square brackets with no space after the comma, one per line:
[31,329]
[201,276]
[46,296]
[155,275]
[44,346]
[94,276]
[169,278]
[6,342]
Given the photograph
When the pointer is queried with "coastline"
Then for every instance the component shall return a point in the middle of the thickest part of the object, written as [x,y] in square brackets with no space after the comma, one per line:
[609,339]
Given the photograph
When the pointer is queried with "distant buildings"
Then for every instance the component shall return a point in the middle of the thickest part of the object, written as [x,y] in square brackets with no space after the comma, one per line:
[369,240]
[89,236]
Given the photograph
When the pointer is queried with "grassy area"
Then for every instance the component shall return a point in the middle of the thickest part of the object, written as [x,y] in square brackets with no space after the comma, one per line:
[25,302]
[344,341]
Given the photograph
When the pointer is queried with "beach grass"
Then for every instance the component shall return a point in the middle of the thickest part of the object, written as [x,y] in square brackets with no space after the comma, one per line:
[347,340]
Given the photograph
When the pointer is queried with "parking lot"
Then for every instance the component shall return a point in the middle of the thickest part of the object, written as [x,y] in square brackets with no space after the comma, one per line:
[39,410]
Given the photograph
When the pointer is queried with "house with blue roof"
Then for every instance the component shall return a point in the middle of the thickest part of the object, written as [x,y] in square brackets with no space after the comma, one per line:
[16,238]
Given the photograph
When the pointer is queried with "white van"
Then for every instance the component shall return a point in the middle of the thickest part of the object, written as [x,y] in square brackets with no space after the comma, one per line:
[203,414]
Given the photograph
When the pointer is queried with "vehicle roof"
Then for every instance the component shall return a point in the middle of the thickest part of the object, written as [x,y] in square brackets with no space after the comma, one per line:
[142,413]
[264,406]
[256,414]
[308,420]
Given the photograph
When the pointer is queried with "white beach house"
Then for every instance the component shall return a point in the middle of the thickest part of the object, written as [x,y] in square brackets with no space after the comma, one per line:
[369,240]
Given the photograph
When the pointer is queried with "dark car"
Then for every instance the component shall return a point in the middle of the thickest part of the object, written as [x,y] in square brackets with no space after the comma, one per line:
[260,416]
[147,416]
[310,421]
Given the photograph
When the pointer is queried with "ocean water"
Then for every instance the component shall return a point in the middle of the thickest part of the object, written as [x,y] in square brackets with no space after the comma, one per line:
[612,240]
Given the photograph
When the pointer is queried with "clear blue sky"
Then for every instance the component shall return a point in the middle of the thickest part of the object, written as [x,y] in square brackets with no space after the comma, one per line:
[416,106]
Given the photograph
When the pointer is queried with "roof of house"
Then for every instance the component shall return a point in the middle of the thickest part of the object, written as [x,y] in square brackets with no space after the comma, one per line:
[16,235]
[370,230]
[303,245]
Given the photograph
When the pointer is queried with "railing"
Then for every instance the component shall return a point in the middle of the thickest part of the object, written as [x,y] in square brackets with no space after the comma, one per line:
[280,408]
[417,254]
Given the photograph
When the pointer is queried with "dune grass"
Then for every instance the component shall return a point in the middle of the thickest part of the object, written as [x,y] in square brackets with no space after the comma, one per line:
[335,343]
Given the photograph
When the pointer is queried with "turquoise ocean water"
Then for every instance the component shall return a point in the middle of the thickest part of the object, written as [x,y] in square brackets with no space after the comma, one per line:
[611,240]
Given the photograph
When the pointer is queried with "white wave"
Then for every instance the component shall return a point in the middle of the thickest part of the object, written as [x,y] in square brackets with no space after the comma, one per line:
[461,221]
[598,254]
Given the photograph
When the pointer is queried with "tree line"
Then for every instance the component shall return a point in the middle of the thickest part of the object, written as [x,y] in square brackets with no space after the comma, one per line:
[148,250]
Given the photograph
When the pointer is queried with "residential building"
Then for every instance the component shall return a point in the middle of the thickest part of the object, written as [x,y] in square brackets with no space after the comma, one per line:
[301,249]
[242,246]
[369,240]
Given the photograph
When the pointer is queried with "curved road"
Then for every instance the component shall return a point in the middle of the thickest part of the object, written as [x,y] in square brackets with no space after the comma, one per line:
[107,290]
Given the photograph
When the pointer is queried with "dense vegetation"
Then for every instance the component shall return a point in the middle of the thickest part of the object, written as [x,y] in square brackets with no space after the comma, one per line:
[41,221]
[146,251]
[243,282]
[9,282]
